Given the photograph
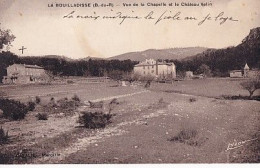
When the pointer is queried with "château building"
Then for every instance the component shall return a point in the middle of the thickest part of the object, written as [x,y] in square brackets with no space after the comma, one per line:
[155,68]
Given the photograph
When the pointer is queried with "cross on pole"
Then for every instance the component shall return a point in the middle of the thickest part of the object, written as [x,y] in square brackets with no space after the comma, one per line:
[22,49]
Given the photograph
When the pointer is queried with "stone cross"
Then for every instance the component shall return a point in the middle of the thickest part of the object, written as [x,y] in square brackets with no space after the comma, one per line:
[22,49]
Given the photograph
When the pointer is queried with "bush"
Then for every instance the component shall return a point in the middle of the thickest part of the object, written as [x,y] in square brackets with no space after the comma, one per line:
[3,136]
[75,98]
[52,103]
[95,120]
[113,101]
[42,116]
[31,106]
[96,104]
[70,82]
[190,137]
[186,134]
[12,109]
[192,99]
[161,101]
[67,104]
[240,97]
[63,105]
[37,100]
[148,84]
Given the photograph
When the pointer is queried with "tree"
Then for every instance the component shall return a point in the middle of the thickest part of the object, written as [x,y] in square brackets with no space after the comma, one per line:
[251,85]
[131,77]
[204,69]
[116,75]
[6,38]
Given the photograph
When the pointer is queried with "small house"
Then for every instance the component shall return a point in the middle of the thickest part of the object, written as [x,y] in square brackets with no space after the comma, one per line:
[236,74]
[188,74]
[24,74]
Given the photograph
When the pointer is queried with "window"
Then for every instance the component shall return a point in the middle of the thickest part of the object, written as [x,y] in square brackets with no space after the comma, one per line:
[152,71]
[148,67]
[152,67]
[144,72]
[143,67]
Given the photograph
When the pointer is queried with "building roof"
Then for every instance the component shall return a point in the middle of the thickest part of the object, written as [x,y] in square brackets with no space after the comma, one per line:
[29,66]
[148,62]
[33,66]
[236,71]
[246,66]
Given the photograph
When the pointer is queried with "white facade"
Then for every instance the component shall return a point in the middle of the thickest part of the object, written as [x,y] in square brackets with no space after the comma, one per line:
[156,69]
[236,74]
[22,74]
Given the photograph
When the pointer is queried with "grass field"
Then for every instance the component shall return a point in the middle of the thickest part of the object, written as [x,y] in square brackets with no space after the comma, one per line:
[183,122]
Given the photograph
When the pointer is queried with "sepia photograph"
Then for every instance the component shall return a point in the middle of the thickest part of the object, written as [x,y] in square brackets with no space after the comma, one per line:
[168,82]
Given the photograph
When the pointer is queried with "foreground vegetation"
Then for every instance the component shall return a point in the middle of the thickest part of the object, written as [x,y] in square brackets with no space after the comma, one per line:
[186,119]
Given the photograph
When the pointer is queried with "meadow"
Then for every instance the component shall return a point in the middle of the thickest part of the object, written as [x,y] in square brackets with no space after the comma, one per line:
[184,122]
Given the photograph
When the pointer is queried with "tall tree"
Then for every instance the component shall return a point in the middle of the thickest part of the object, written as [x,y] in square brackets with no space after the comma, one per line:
[6,38]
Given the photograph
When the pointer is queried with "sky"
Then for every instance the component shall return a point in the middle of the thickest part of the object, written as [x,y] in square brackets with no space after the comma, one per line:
[43,30]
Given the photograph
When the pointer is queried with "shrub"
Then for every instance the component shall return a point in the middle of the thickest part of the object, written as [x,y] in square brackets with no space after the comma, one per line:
[67,104]
[63,105]
[96,104]
[42,116]
[192,99]
[70,81]
[187,136]
[161,101]
[114,101]
[3,136]
[37,100]
[190,137]
[31,106]
[239,97]
[184,135]
[95,120]
[148,84]
[12,109]
[52,102]
[75,98]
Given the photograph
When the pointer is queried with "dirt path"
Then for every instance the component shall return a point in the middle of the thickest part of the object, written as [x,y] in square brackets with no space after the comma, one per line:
[216,122]
[208,116]
[99,136]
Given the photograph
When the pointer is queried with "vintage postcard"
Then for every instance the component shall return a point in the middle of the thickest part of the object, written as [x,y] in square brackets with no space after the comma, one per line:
[129,81]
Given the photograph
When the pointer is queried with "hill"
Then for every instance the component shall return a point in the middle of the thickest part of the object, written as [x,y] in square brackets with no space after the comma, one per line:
[172,53]
[221,61]
[59,57]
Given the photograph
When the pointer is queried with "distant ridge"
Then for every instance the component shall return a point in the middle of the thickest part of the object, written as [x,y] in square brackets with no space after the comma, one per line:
[65,58]
[172,53]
